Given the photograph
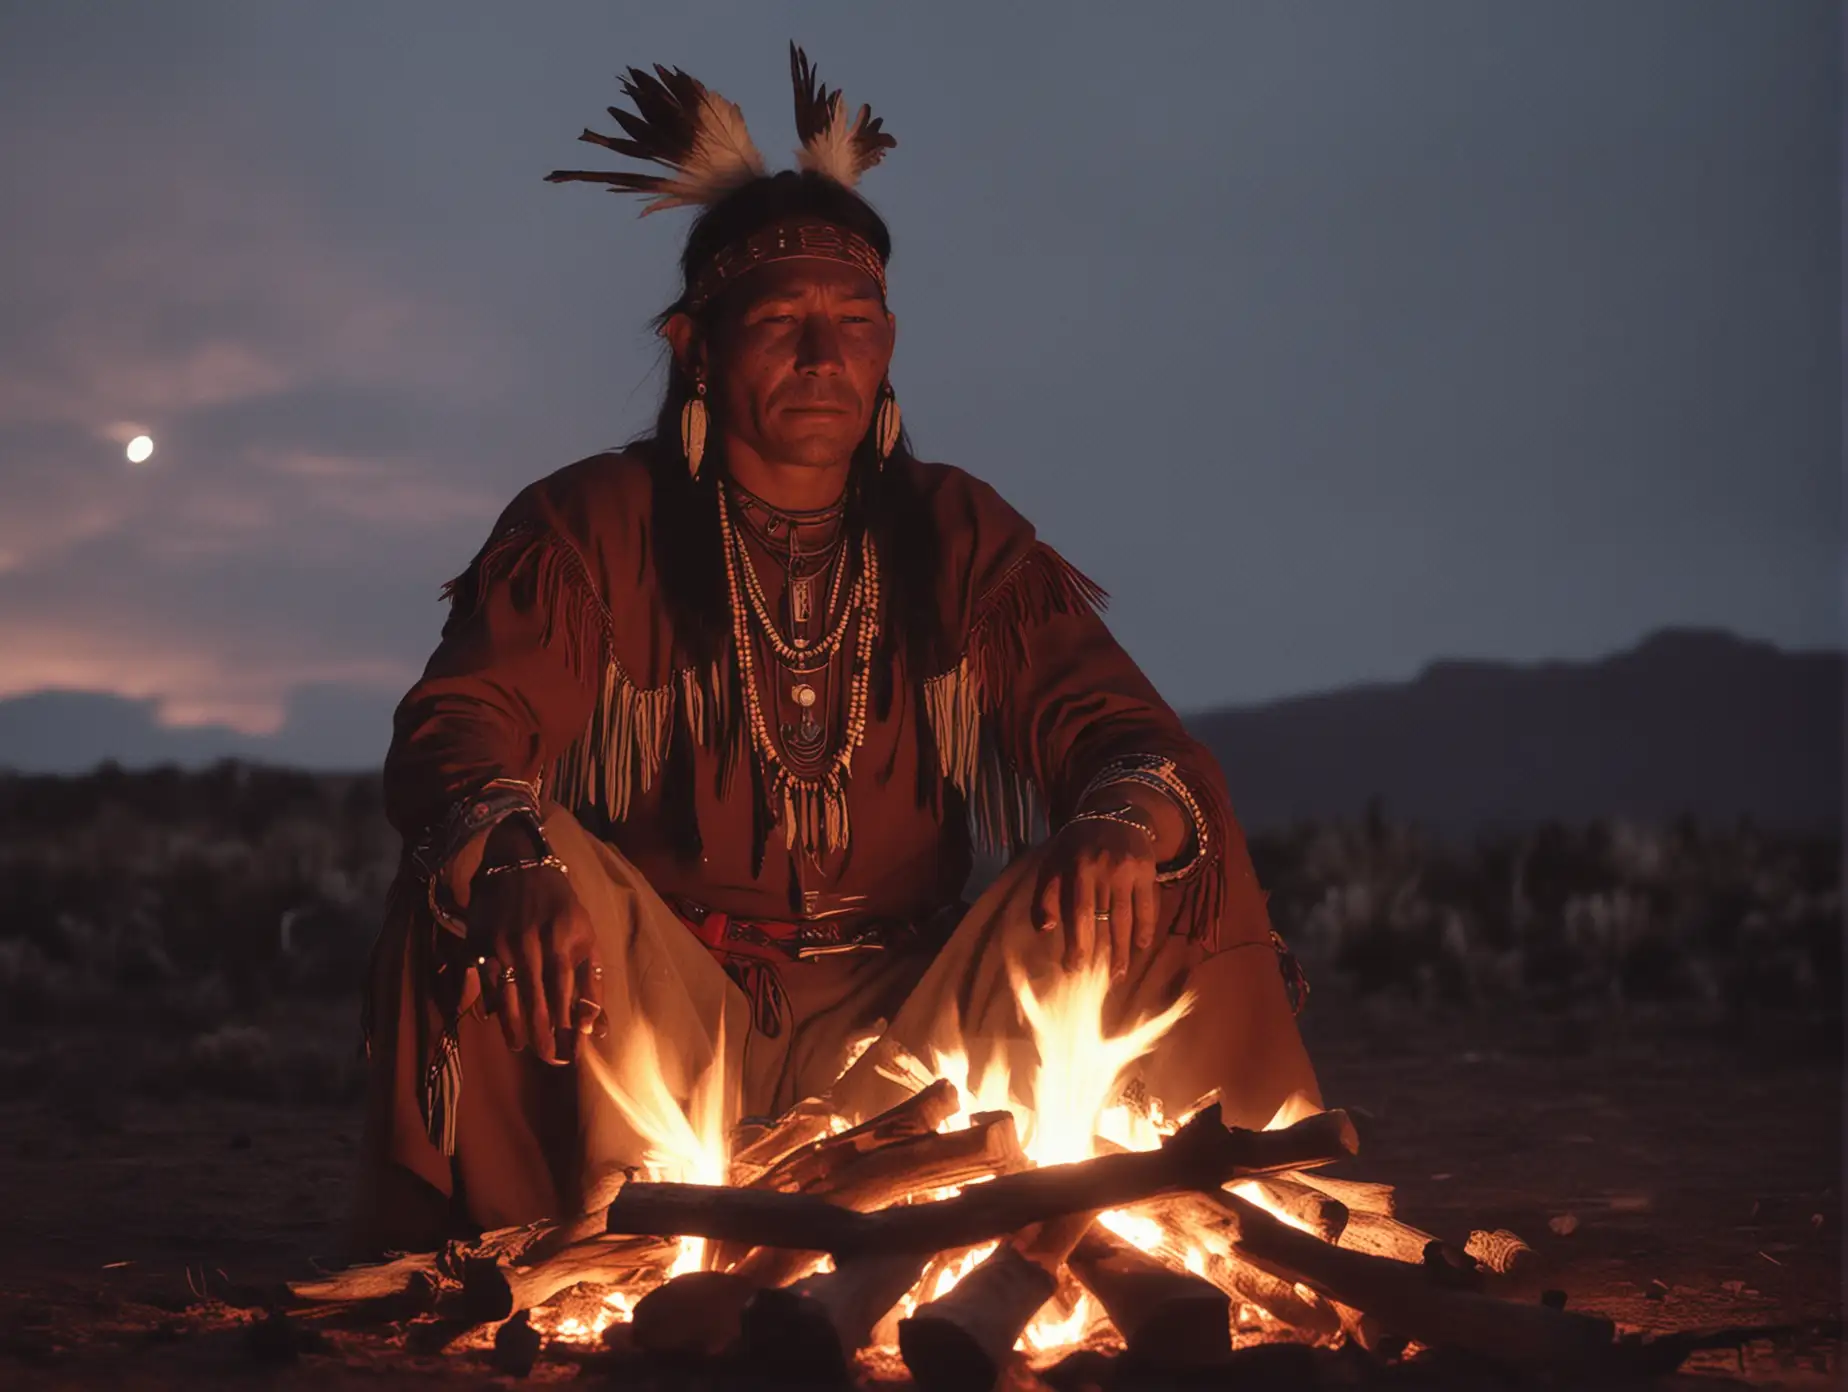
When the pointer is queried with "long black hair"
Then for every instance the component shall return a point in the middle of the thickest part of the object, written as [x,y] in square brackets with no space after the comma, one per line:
[688,553]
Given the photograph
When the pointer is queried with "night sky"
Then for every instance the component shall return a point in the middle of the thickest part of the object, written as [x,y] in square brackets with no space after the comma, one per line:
[1331,338]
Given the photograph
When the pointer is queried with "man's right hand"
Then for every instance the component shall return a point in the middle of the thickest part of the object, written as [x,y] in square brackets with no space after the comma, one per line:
[530,926]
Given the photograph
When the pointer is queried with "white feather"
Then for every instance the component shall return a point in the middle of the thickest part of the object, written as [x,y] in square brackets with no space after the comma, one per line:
[724,156]
[830,150]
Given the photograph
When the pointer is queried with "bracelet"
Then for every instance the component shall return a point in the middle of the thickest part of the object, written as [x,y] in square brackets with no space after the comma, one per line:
[1120,815]
[546,862]
[1160,774]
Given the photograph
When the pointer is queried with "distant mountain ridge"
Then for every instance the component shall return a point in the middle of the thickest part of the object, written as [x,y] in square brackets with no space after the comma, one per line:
[1689,721]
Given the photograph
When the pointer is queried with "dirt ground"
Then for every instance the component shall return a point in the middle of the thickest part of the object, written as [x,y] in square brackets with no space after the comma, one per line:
[1699,1176]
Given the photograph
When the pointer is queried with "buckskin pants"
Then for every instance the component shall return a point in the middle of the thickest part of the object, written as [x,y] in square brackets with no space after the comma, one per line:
[537,1141]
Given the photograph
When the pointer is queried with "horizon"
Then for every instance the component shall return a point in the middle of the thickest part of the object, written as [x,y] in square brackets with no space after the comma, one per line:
[1457,334]
[82,714]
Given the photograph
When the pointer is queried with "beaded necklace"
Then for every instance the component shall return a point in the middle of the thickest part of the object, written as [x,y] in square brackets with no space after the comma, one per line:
[814,810]
[797,654]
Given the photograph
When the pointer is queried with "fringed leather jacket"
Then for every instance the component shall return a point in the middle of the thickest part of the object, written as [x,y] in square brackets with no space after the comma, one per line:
[560,666]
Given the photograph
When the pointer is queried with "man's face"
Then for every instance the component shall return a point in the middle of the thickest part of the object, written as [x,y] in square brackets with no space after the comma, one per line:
[796,359]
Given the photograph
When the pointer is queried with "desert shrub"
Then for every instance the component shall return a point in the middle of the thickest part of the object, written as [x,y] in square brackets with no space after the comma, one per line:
[1557,918]
[170,904]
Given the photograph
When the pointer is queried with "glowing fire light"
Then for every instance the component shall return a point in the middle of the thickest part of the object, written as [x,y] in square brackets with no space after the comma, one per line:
[1067,1109]
[685,1145]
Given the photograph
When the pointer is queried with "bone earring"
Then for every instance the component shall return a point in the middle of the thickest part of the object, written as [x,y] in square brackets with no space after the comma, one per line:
[886,424]
[693,427]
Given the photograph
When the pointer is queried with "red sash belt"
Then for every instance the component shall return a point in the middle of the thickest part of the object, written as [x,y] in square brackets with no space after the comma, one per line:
[752,949]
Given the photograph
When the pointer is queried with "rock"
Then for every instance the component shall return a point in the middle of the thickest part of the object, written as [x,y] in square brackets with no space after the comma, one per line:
[1563,1224]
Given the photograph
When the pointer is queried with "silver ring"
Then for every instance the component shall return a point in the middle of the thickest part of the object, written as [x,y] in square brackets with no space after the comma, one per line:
[507,976]
[1099,917]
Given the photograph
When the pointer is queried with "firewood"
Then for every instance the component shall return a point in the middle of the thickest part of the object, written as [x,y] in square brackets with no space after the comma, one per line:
[754,1149]
[1360,1196]
[1324,1215]
[495,1290]
[1406,1300]
[962,1341]
[807,1334]
[918,1115]
[1388,1237]
[1168,1318]
[806,1168]
[874,1179]
[1502,1253]
[1203,1154]
[1206,1223]
[698,1313]
[375,1281]
[409,1283]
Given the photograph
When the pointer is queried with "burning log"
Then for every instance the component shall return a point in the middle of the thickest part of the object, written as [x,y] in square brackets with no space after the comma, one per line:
[817,1164]
[1203,1154]
[756,1148]
[874,1179]
[1168,1318]
[1360,1196]
[1405,1299]
[698,1313]
[1327,1217]
[918,1115]
[963,1339]
[1212,1221]
[1388,1237]
[808,1333]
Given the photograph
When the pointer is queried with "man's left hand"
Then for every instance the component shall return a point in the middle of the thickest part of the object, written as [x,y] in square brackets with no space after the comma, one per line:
[1097,885]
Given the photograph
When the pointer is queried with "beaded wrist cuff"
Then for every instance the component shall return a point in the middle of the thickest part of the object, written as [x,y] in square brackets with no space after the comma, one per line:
[1161,774]
[487,808]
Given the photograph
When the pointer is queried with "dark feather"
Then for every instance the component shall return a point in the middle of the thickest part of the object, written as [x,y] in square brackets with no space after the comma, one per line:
[630,183]
[814,102]
[816,113]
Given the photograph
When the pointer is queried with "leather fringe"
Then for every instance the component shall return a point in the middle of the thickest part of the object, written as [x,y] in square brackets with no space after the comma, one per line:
[542,570]
[1004,800]
[624,745]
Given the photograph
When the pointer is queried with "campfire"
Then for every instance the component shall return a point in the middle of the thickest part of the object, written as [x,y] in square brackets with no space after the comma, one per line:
[983,1219]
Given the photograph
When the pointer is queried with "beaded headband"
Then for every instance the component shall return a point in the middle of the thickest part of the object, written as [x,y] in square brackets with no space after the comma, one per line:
[785,241]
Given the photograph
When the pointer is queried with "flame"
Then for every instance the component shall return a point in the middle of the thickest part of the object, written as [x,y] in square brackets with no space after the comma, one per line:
[1079,1065]
[1049,1331]
[1078,1071]
[685,1145]
[1068,1106]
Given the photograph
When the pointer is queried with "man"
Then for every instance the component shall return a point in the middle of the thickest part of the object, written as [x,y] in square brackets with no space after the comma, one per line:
[697,768]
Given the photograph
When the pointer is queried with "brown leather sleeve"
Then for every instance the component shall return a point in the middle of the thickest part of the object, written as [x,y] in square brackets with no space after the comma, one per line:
[510,684]
[1079,703]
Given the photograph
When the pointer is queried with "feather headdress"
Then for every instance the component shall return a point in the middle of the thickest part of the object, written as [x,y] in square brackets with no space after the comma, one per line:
[678,122]
[832,145]
[701,138]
